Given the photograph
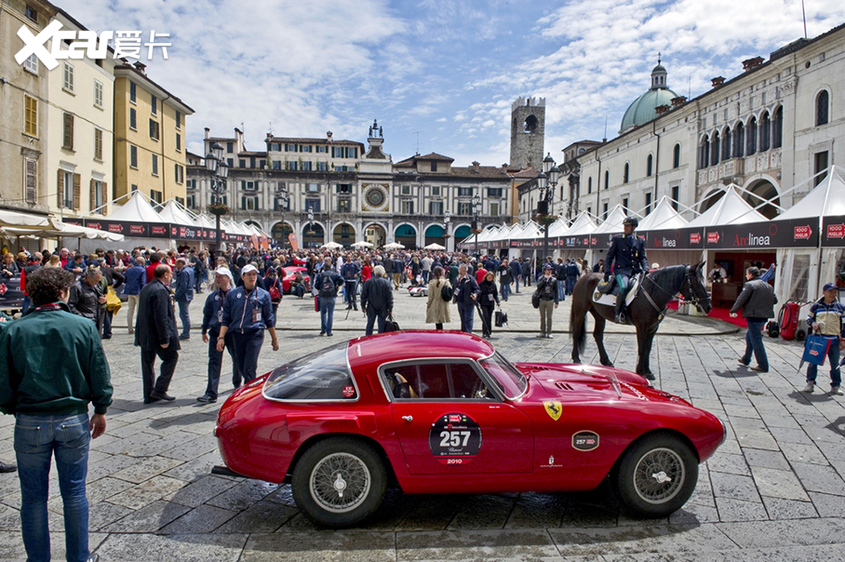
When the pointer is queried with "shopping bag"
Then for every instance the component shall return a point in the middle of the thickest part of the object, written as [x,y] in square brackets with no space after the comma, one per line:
[113,303]
[391,325]
[815,349]
[501,318]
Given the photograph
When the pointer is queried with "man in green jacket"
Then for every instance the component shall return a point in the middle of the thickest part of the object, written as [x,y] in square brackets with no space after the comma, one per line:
[49,392]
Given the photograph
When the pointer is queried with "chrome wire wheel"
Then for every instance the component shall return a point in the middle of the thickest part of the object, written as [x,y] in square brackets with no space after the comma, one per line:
[340,482]
[659,475]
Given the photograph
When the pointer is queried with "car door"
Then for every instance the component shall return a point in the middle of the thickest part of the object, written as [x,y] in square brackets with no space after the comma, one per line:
[449,421]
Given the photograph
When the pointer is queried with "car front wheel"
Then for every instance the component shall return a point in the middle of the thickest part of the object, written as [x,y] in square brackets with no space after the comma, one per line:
[339,482]
[657,476]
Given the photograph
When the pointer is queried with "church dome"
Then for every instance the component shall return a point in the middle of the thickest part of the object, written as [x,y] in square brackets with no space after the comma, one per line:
[644,108]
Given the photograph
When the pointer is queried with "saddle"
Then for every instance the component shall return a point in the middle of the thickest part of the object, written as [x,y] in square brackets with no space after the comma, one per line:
[606,291]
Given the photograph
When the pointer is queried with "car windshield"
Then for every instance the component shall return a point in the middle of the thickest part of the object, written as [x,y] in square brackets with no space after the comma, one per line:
[508,379]
[323,375]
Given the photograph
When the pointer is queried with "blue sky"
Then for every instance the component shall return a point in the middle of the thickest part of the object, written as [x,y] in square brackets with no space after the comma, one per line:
[441,74]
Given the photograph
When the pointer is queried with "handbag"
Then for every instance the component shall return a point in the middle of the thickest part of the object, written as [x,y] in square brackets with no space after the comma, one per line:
[274,292]
[113,303]
[501,318]
[535,299]
[391,325]
[815,349]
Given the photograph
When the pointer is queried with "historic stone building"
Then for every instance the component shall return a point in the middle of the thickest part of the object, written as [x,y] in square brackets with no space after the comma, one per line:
[769,129]
[354,193]
[528,127]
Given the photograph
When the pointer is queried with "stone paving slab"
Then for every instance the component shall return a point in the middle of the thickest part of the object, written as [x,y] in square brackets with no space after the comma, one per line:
[774,491]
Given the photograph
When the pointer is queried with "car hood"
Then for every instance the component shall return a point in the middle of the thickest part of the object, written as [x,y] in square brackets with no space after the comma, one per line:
[552,381]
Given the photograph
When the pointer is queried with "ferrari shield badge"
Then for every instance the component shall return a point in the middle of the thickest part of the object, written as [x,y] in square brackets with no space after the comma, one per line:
[553,408]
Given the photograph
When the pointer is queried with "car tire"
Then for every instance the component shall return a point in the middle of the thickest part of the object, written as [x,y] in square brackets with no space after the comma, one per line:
[641,481]
[335,468]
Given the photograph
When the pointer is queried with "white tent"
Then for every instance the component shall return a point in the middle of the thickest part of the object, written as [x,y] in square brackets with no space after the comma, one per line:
[434,247]
[136,209]
[174,214]
[730,209]
[613,222]
[663,217]
[558,227]
[26,220]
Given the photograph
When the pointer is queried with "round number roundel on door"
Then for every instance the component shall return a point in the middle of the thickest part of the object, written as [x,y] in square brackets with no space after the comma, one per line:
[454,439]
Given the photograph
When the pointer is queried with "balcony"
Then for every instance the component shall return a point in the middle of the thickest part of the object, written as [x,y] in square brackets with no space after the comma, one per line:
[737,169]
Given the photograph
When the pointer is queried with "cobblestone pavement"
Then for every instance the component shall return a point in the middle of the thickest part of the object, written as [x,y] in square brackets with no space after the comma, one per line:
[773,491]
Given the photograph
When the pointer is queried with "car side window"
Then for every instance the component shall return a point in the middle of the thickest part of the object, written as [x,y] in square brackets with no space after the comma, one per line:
[435,381]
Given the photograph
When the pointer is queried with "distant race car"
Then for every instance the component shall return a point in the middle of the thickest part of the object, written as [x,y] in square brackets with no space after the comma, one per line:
[289,273]
[418,291]
[443,412]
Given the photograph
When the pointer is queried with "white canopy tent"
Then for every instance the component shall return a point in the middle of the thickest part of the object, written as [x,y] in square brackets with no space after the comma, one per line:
[611,225]
[663,217]
[136,209]
[730,209]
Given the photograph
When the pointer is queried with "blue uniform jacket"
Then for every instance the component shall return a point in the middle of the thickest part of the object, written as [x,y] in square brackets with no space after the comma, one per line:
[212,312]
[246,312]
[184,284]
[626,253]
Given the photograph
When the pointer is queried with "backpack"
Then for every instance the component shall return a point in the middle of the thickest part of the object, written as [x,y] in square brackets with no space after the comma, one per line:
[446,293]
[327,287]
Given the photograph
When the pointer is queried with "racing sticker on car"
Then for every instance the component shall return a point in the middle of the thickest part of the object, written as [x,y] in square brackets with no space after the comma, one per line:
[454,439]
[585,440]
[348,391]
[553,408]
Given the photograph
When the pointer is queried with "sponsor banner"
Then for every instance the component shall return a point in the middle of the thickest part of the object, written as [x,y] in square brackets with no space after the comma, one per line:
[147,230]
[601,241]
[795,233]
[582,241]
[833,231]
[678,239]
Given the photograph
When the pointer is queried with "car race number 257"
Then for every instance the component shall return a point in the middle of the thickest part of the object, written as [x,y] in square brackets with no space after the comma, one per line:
[454,439]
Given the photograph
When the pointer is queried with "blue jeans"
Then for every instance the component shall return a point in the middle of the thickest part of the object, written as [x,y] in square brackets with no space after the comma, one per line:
[570,284]
[516,280]
[833,356]
[198,281]
[298,290]
[506,290]
[37,438]
[425,275]
[467,313]
[561,290]
[326,313]
[351,290]
[184,318]
[373,318]
[754,342]
[247,347]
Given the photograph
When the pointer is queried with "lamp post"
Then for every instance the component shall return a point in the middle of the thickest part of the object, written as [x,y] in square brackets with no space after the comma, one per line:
[282,202]
[219,169]
[547,181]
[476,209]
[447,216]
[310,219]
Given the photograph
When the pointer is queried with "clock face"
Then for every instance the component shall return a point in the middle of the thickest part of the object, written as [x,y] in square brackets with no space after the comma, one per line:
[375,197]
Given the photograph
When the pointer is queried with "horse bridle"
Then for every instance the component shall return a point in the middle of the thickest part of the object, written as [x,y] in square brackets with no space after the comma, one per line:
[693,299]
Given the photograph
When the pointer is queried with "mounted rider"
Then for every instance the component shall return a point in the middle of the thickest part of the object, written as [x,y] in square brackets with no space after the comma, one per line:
[625,258]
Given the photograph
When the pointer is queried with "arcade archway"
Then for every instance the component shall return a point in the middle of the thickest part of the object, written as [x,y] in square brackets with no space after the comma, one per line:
[434,234]
[760,191]
[375,235]
[344,233]
[281,232]
[313,235]
[407,236]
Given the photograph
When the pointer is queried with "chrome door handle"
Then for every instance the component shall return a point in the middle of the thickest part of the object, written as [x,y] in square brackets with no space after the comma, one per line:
[408,419]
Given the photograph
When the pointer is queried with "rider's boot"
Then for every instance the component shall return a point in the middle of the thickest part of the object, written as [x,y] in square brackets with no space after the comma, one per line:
[620,307]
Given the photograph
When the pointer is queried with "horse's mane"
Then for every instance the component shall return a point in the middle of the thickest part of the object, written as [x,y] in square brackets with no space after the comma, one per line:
[670,276]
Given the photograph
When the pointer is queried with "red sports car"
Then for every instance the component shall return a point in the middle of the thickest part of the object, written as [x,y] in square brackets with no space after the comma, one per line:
[288,277]
[443,412]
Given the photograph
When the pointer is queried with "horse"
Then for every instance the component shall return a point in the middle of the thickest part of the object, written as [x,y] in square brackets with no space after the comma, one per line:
[646,311]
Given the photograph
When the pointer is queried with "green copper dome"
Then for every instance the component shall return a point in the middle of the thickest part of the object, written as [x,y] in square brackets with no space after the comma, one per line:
[644,107]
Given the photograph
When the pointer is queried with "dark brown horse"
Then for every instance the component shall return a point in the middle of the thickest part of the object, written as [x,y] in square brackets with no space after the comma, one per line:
[646,311]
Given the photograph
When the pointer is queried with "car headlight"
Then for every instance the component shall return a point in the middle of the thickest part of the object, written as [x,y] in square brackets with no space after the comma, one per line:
[724,433]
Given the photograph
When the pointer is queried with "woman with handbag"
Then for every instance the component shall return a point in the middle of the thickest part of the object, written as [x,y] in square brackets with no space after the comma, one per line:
[488,300]
[548,295]
[273,285]
[825,320]
[437,307]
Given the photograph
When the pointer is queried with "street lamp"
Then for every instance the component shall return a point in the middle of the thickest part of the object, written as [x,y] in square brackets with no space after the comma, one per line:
[310,220]
[547,181]
[476,209]
[219,169]
[447,216]
[282,202]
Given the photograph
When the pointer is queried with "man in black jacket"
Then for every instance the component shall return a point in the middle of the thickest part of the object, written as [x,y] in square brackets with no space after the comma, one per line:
[377,300]
[86,298]
[155,334]
[466,295]
[757,301]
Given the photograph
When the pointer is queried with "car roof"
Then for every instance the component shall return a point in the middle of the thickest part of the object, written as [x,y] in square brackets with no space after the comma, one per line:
[372,351]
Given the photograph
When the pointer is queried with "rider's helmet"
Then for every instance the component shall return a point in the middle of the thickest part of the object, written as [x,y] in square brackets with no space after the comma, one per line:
[632,221]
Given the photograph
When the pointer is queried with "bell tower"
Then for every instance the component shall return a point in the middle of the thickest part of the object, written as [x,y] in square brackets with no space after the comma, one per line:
[528,126]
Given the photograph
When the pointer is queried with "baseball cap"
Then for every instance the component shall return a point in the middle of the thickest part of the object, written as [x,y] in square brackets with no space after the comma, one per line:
[547,266]
[829,287]
[248,269]
[223,271]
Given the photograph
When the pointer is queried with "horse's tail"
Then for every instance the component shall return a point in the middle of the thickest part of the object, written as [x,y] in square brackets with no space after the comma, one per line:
[578,320]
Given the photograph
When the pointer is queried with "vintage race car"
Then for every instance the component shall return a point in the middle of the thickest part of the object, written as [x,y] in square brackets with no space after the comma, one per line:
[443,412]
[289,272]
[418,291]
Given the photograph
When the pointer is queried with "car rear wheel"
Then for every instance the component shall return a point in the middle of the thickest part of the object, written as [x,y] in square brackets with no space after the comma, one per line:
[339,482]
[657,476]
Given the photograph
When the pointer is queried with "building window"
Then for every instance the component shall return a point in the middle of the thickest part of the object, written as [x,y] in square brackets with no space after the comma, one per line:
[494,192]
[344,188]
[777,128]
[98,93]
[625,204]
[344,206]
[765,132]
[134,187]
[590,184]
[249,185]
[179,173]
[676,194]
[751,137]
[464,192]
[407,207]
[494,209]
[156,196]
[822,108]
[726,144]
[322,166]
[68,189]
[625,173]
[31,13]
[241,163]
[704,153]
[155,164]
[153,104]
[290,148]
[606,179]
[434,166]
[133,119]
[313,204]
[739,140]
[98,144]
[820,164]
[405,190]
[229,147]
[178,142]
[67,131]
[230,162]
[435,208]
[715,149]
[604,212]
[30,116]
[305,148]
[647,202]
[191,184]
[133,157]
[465,209]
[31,63]
[132,92]
[30,168]
[98,198]
[178,119]
[67,77]
[277,165]
[154,129]
[306,166]
[291,166]
[435,190]
[249,203]
[649,162]
[222,199]
[676,156]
